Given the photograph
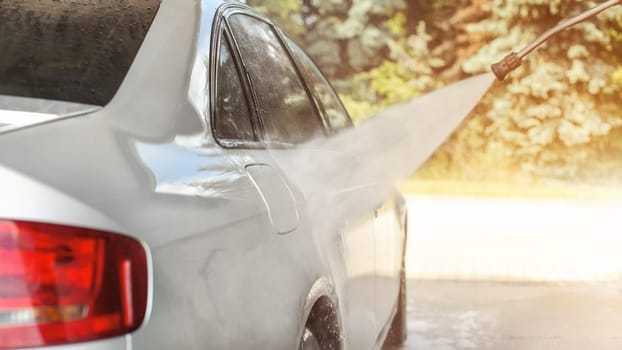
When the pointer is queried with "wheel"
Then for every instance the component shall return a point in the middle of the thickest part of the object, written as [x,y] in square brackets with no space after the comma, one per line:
[399,331]
[309,341]
[322,331]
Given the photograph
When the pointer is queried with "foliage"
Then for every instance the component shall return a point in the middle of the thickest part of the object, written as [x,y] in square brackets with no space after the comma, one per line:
[616,76]
[556,118]
[365,47]
[407,73]
[285,12]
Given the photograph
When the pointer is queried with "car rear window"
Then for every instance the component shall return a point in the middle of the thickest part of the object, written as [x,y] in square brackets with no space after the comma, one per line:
[70,50]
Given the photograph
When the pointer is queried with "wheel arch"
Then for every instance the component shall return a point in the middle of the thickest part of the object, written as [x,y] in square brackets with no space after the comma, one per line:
[321,311]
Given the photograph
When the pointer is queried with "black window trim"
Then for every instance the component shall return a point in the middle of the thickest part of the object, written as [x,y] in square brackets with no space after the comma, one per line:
[327,125]
[221,31]
[221,25]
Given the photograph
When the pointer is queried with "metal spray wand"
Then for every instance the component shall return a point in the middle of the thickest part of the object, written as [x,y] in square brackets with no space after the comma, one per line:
[514,60]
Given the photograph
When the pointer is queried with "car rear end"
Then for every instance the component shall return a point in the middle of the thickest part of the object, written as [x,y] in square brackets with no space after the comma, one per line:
[68,278]
[62,284]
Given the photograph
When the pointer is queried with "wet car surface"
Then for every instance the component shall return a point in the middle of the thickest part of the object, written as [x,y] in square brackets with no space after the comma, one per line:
[160,214]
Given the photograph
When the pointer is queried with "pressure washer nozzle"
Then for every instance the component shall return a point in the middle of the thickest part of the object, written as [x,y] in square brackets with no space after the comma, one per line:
[506,65]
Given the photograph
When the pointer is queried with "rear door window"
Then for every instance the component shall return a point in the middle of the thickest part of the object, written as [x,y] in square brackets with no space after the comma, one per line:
[287,113]
[331,107]
[76,51]
[232,120]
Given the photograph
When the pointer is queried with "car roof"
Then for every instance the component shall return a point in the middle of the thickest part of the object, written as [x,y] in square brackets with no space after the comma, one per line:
[165,91]
[76,51]
[157,98]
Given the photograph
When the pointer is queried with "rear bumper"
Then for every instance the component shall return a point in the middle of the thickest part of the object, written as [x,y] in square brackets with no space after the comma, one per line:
[119,343]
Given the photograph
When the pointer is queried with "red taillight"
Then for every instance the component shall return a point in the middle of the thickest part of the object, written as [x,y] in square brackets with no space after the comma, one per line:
[62,284]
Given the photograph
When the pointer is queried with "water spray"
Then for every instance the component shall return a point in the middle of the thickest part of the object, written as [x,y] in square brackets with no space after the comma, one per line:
[512,61]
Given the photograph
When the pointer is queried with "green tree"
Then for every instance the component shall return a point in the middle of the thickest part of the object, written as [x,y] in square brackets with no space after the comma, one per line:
[557,117]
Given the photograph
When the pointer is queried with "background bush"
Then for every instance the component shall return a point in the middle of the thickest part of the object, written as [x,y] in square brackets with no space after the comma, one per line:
[558,118]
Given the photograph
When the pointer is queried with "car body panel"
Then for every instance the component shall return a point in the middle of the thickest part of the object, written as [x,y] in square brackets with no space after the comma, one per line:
[118,343]
[388,239]
[18,112]
[233,267]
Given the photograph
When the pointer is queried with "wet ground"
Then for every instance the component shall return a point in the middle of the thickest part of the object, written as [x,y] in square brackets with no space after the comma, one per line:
[483,315]
[562,257]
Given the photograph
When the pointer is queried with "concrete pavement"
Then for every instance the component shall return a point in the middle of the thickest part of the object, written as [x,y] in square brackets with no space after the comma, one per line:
[494,274]
[494,316]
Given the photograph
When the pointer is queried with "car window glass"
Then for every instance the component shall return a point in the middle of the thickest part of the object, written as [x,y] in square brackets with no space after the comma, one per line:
[76,51]
[283,103]
[232,120]
[332,110]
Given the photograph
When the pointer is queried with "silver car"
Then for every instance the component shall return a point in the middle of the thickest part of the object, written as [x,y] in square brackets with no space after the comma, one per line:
[143,206]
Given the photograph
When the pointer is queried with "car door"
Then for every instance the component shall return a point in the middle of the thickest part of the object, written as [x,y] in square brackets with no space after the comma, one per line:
[284,116]
[288,116]
[358,235]
[232,259]
[276,193]
[388,238]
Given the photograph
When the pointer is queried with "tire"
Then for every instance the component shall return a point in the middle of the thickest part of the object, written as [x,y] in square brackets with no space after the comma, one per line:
[322,331]
[309,341]
[399,330]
